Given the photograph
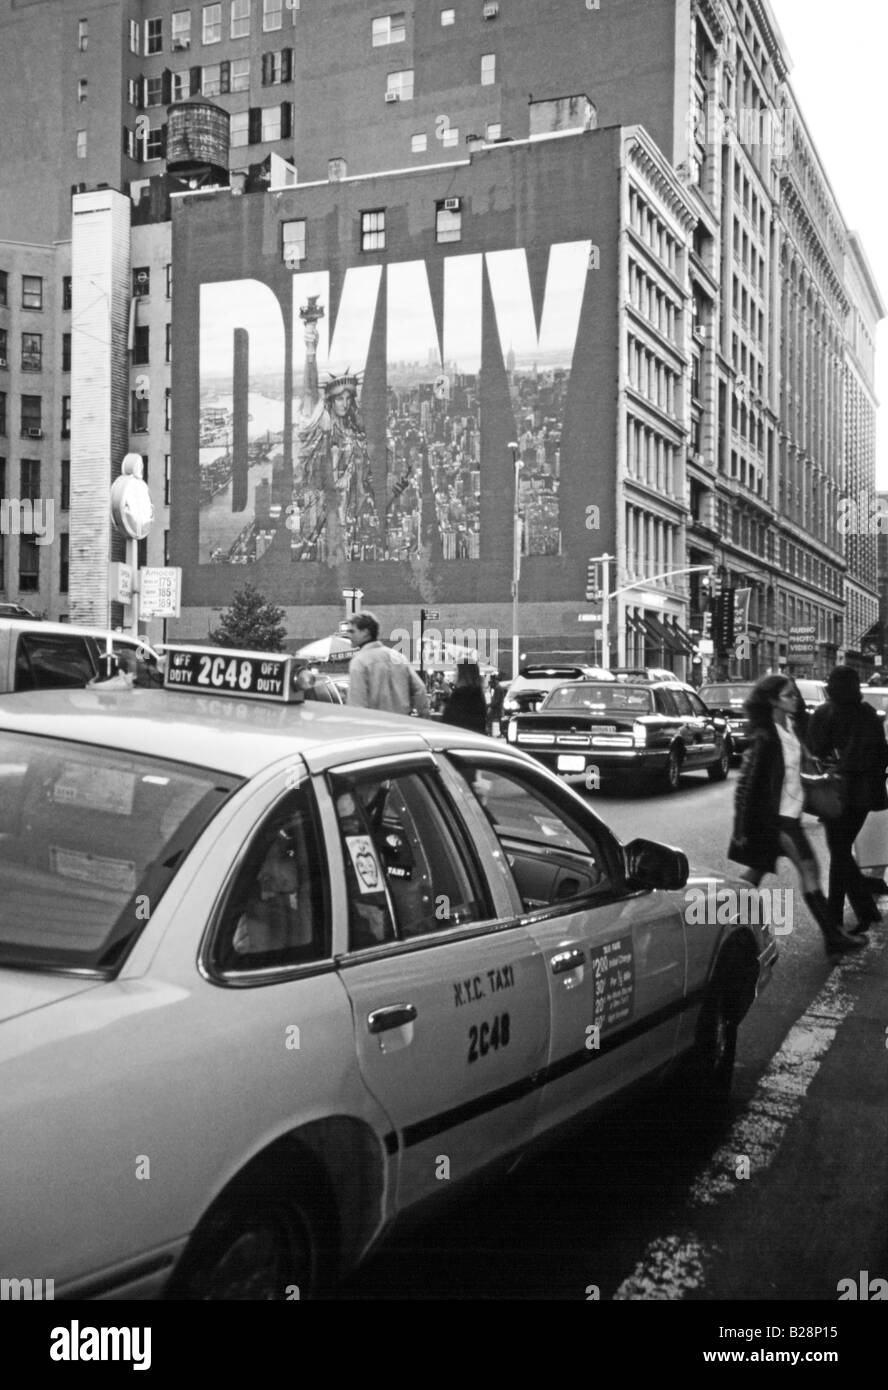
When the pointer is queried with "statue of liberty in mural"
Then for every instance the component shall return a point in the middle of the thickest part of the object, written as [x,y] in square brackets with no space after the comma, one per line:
[333,515]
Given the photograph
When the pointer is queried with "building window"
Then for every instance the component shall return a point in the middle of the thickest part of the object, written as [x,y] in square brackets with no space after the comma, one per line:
[271,14]
[488,69]
[63,562]
[65,500]
[168,342]
[212,23]
[80,144]
[389,28]
[29,565]
[181,31]
[141,342]
[4,286]
[167,408]
[66,417]
[134,35]
[293,242]
[141,282]
[494,131]
[134,91]
[32,417]
[139,419]
[239,129]
[153,91]
[29,480]
[447,17]
[419,144]
[180,85]
[154,144]
[275,120]
[83,34]
[240,74]
[168,272]
[373,230]
[166,548]
[82,89]
[400,85]
[4,355]
[166,481]
[448,221]
[153,36]
[32,352]
[129,143]
[277,67]
[2,412]
[337,169]
[240,18]
[450,137]
[211,80]
[32,292]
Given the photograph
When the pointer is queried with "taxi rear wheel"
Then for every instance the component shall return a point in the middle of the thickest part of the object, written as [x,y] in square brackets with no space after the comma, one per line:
[672,771]
[716,1046]
[256,1245]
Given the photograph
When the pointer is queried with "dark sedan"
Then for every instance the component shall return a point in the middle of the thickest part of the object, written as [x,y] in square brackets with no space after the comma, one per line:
[727,698]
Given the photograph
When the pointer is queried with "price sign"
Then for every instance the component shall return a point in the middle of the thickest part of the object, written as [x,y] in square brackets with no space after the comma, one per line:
[242,675]
[160,593]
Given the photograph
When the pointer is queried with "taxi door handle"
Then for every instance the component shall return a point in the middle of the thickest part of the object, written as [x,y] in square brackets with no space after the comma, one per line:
[393,1016]
[566,960]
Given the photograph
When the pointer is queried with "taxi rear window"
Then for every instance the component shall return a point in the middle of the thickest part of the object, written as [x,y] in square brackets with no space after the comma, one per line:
[609,699]
[90,838]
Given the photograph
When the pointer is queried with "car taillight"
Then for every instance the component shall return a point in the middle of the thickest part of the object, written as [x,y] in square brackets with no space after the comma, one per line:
[511,731]
[639,734]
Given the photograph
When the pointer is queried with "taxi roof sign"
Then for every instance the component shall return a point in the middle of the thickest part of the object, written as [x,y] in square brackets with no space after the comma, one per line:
[240,674]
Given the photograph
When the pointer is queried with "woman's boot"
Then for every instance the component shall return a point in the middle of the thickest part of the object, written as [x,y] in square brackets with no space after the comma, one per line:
[834,938]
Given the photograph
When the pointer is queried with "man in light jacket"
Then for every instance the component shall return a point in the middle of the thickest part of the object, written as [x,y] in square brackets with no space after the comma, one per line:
[379,678]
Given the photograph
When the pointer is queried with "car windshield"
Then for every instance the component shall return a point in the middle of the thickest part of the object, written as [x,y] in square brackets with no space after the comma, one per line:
[601,699]
[879,698]
[724,694]
[90,838]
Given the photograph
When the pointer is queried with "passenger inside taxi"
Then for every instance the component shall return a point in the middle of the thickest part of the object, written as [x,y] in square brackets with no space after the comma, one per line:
[278,916]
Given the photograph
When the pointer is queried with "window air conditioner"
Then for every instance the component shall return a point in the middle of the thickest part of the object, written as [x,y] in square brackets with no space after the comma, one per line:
[142,277]
[2,361]
[392,96]
[491,9]
[451,204]
[34,432]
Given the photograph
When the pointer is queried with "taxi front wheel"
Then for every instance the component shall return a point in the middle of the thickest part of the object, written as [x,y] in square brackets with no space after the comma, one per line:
[260,1247]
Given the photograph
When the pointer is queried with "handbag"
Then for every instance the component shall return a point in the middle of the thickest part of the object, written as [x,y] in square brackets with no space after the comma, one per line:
[824,787]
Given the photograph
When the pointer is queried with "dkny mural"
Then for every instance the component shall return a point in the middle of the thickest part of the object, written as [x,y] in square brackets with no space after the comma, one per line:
[310,448]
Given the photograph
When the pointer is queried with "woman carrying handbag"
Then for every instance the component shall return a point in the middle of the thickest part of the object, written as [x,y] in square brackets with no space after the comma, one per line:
[769,801]
[846,730]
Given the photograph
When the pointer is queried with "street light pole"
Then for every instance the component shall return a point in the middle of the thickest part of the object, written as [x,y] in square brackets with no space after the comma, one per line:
[516,560]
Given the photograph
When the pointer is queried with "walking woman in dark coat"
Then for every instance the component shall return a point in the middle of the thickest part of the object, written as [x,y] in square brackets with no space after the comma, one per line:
[467,707]
[850,727]
[768,802]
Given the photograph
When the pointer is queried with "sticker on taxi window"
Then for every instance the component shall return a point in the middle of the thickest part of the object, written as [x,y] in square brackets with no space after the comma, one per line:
[613,976]
[95,789]
[364,862]
[117,874]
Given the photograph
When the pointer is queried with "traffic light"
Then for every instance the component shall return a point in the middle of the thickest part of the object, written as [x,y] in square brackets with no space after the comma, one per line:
[593,581]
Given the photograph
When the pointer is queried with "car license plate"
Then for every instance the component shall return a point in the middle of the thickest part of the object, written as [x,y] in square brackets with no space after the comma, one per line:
[571,762]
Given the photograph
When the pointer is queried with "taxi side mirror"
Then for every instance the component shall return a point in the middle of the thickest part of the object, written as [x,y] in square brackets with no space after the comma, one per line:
[652,865]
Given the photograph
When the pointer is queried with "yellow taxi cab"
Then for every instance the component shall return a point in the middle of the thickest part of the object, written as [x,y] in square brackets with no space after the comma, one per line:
[270,970]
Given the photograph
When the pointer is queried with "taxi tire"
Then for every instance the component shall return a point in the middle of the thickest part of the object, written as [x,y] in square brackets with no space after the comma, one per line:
[259,1243]
[715,1050]
[719,771]
[672,771]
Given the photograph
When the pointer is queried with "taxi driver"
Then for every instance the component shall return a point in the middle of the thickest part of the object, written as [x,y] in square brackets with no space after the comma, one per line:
[271,919]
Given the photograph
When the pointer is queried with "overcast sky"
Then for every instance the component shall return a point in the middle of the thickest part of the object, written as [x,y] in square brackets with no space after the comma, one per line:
[838,55]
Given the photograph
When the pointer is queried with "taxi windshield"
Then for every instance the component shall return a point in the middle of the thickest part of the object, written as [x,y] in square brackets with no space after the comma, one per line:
[90,838]
[604,699]
[724,694]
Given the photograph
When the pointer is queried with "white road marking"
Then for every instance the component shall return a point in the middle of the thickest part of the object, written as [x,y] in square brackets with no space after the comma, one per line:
[675,1265]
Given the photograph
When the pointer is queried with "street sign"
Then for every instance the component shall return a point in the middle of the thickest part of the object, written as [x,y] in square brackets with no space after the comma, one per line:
[160,592]
[588,617]
[802,642]
[120,582]
[431,614]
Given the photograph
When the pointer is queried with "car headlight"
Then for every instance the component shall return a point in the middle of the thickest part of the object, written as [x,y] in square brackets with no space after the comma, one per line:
[510,704]
[512,731]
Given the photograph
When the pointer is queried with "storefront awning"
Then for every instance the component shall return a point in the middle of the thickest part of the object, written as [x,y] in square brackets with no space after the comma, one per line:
[685,642]
[662,634]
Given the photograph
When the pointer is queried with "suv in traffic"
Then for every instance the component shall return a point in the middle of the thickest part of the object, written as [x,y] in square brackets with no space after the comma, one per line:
[641,728]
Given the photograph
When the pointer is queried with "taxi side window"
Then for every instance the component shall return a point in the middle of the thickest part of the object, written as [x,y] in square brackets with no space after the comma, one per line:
[682,703]
[553,858]
[697,705]
[664,702]
[276,912]
[52,661]
[408,869]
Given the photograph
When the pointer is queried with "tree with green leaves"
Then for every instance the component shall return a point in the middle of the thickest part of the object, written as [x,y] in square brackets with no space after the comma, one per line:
[251,623]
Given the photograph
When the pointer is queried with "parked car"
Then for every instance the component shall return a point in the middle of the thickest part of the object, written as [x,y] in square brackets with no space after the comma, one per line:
[533,683]
[877,696]
[18,610]
[37,655]
[813,692]
[727,699]
[371,941]
[638,728]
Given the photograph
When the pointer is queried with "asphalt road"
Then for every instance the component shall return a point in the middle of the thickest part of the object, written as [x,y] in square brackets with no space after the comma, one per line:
[788,1198]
